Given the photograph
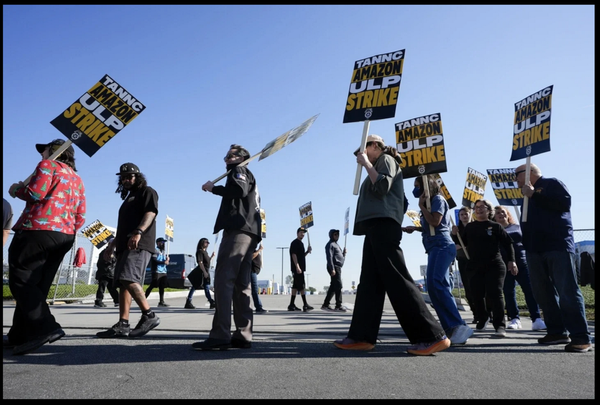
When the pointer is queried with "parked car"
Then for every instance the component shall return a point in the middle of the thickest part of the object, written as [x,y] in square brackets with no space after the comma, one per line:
[180,265]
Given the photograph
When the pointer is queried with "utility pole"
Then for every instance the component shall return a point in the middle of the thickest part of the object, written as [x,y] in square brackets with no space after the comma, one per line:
[282,249]
[307,283]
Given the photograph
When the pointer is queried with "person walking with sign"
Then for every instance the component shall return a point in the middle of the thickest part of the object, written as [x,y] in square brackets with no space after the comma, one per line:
[239,218]
[158,263]
[379,213]
[105,276]
[441,252]
[298,267]
[55,208]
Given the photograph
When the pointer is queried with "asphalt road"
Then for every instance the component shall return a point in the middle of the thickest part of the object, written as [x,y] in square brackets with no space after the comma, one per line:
[292,357]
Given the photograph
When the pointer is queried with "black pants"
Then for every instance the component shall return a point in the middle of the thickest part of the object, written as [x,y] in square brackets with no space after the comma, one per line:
[161,283]
[34,257]
[487,284]
[103,284]
[383,270]
[335,288]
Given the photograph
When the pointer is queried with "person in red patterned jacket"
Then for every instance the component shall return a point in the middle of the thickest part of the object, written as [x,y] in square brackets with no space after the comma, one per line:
[45,232]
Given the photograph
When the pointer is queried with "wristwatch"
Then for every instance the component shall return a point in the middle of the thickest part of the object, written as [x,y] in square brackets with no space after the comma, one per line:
[139,231]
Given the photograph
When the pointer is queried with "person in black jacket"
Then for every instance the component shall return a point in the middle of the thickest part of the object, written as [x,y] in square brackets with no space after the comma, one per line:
[239,218]
[105,276]
[483,239]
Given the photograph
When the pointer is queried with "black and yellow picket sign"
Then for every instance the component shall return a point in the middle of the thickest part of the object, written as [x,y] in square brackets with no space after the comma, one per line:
[98,234]
[504,184]
[531,134]
[474,187]
[98,115]
[420,142]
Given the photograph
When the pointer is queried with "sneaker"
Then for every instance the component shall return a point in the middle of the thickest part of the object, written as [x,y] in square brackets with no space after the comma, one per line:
[116,305]
[99,304]
[307,308]
[481,325]
[213,305]
[500,332]
[427,349]
[350,344]
[118,330]
[554,340]
[162,304]
[145,325]
[189,305]
[35,344]
[586,347]
[461,334]
[262,311]
[340,309]
[515,323]
[293,308]
[212,344]
[538,324]
[326,308]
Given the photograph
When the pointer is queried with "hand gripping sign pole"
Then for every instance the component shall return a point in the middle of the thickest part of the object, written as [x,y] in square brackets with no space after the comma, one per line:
[278,143]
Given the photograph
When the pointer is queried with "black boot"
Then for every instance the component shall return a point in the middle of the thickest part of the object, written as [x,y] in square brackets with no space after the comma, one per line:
[188,305]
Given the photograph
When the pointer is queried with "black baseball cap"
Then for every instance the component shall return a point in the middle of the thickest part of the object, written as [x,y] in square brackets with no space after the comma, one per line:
[41,147]
[160,240]
[301,229]
[128,168]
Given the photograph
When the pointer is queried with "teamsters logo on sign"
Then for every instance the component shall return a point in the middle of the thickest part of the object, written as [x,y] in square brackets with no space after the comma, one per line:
[97,116]
[374,87]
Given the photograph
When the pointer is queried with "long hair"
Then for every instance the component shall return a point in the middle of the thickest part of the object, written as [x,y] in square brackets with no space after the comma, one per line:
[201,243]
[67,156]
[509,216]
[140,182]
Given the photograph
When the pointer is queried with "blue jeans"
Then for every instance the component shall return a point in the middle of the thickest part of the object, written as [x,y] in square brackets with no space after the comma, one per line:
[206,292]
[510,295]
[440,253]
[255,297]
[554,282]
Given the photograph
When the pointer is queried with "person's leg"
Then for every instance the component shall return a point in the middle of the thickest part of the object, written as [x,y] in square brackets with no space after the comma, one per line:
[255,297]
[330,292]
[336,281]
[191,294]
[112,290]
[545,293]
[153,284]
[562,270]
[441,254]
[477,285]
[162,284]
[243,315]
[100,291]
[494,279]
[34,258]
[510,296]
[525,283]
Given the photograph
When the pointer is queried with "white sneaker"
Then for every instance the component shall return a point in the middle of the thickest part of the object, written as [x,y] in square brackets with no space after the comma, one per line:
[515,323]
[538,324]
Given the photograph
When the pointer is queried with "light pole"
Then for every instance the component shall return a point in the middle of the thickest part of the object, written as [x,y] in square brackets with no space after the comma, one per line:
[282,249]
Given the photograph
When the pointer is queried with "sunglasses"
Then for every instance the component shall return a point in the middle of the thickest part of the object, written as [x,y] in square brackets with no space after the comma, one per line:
[231,156]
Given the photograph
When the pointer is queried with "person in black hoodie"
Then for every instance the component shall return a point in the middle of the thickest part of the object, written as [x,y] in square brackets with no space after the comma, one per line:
[483,239]
[335,256]
[239,218]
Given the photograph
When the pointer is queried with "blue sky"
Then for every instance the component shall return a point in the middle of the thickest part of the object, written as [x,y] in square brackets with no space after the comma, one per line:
[211,76]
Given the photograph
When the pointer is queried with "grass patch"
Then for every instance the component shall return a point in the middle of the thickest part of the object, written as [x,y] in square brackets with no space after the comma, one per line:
[589,297]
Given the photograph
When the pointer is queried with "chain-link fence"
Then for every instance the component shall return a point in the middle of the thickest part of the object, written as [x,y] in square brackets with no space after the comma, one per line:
[74,283]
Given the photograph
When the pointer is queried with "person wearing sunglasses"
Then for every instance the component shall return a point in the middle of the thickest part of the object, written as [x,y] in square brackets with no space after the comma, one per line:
[239,219]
